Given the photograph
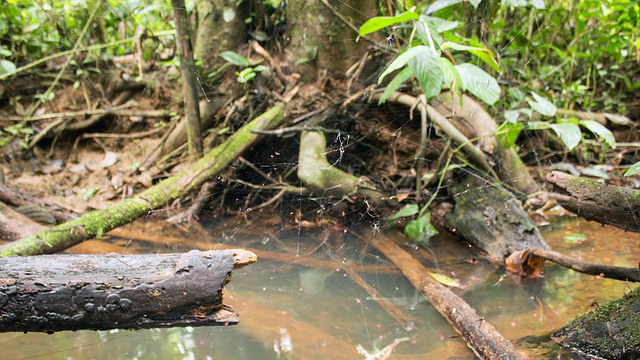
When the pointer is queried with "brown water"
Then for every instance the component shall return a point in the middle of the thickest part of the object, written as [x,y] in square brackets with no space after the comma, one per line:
[302,302]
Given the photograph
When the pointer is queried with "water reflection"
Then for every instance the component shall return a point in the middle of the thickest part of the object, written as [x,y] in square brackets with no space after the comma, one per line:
[292,311]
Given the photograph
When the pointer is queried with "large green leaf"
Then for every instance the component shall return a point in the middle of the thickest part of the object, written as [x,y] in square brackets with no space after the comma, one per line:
[600,130]
[407,210]
[451,76]
[426,68]
[381,22]
[569,133]
[395,83]
[402,60]
[484,86]
[235,58]
[542,105]
[420,230]
[633,170]
[508,133]
[441,4]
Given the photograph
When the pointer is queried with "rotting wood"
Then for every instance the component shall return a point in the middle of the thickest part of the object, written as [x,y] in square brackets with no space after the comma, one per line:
[117,291]
[479,334]
[95,224]
[597,201]
[491,218]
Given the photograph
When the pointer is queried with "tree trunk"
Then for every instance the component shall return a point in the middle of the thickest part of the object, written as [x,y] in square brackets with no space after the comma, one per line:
[189,88]
[99,222]
[595,201]
[316,35]
[117,291]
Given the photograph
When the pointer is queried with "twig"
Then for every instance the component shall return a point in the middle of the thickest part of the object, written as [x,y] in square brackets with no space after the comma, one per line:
[140,134]
[118,111]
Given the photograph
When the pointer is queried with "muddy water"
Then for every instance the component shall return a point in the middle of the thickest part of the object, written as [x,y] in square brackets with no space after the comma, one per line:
[294,312]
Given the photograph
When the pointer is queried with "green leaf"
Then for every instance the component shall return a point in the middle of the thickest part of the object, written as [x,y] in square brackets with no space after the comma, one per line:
[508,133]
[569,134]
[600,130]
[633,170]
[402,60]
[426,68]
[90,193]
[246,75]
[7,66]
[512,116]
[420,230]
[451,76]
[542,105]
[484,86]
[395,83]
[445,280]
[381,22]
[234,58]
[440,25]
[461,47]
[575,238]
[407,210]
[441,4]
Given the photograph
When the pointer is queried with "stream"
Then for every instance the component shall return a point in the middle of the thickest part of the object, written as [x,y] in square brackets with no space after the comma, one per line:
[330,301]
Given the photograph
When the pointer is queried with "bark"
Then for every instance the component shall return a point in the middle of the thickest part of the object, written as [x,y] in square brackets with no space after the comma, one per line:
[188,75]
[14,225]
[117,291]
[318,35]
[475,123]
[518,260]
[609,332]
[491,218]
[96,223]
[479,335]
[220,26]
[596,201]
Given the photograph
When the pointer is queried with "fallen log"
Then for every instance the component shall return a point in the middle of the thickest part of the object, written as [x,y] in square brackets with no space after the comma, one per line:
[96,223]
[480,336]
[609,332]
[117,291]
[491,218]
[608,204]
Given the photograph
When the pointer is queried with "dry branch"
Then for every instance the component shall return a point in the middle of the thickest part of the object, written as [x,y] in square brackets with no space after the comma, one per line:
[116,291]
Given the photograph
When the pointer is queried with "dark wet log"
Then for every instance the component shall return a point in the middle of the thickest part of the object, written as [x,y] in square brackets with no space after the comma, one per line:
[480,336]
[596,201]
[491,218]
[609,332]
[519,260]
[116,291]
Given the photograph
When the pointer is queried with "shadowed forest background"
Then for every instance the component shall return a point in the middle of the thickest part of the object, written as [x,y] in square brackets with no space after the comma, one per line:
[417,178]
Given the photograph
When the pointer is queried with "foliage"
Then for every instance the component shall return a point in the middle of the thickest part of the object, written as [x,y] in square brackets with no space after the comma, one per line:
[430,37]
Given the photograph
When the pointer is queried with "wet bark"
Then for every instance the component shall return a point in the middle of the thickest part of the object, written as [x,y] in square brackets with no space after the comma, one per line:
[117,291]
[479,335]
[96,223]
[491,218]
[596,201]
[609,332]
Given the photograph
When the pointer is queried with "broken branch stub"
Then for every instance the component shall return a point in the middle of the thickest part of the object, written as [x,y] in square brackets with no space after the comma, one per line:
[117,291]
